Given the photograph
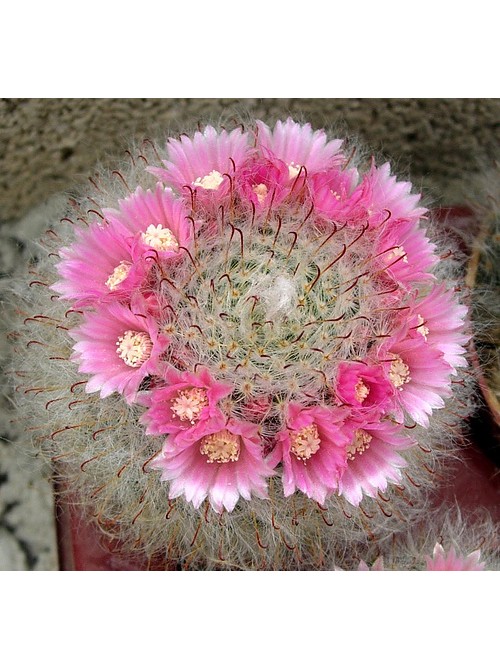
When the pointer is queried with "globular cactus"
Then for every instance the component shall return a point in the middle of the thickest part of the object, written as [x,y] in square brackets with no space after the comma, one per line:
[247,349]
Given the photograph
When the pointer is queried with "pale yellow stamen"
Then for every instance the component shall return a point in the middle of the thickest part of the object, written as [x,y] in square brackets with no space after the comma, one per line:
[399,374]
[119,274]
[293,170]
[160,238]
[210,182]
[188,404]
[305,442]
[221,447]
[422,328]
[335,194]
[261,192]
[359,445]
[398,252]
[134,348]
[361,391]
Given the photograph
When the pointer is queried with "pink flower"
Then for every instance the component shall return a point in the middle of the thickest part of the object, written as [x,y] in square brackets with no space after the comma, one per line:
[443,561]
[373,459]
[312,449]
[155,223]
[439,319]
[204,162]
[387,199]
[223,461]
[99,267]
[420,376]
[263,182]
[405,253]
[336,195]
[298,146]
[185,404]
[364,387]
[118,348]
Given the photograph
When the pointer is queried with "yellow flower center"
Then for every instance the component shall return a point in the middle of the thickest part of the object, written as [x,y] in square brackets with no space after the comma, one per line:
[160,238]
[118,275]
[210,182]
[221,447]
[305,442]
[260,191]
[361,391]
[399,374]
[188,404]
[360,444]
[134,348]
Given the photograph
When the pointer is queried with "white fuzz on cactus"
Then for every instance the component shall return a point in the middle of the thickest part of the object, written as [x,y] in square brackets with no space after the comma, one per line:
[443,541]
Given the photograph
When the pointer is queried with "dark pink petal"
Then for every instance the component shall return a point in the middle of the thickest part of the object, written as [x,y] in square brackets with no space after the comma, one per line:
[318,474]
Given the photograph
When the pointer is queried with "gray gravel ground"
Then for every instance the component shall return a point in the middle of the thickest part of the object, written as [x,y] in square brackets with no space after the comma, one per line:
[27,530]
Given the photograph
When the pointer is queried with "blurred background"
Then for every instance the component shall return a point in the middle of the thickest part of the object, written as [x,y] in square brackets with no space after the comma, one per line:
[46,144]
[50,145]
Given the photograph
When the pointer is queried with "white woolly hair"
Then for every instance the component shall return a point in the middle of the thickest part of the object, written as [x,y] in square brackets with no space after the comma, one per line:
[99,452]
[449,527]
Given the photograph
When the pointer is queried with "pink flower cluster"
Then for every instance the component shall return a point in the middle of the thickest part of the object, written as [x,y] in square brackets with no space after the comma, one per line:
[148,335]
